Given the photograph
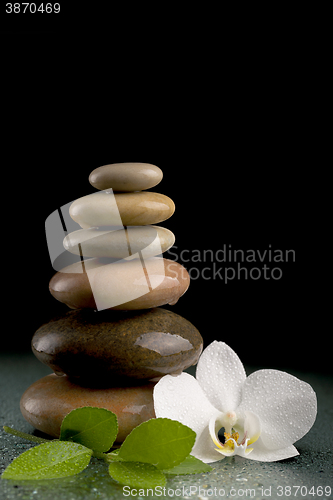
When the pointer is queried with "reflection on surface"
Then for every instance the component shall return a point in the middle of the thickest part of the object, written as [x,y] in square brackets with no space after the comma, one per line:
[163,343]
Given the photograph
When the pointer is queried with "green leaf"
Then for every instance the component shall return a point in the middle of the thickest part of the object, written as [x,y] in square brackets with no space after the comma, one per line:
[137,475]
[160,441]
[191,465]
[95,428]
[48,461]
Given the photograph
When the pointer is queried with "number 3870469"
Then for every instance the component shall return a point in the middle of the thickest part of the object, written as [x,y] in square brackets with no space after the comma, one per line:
[32,8]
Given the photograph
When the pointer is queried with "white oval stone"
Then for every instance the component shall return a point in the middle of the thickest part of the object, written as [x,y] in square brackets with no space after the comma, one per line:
[104,208]
[119,243]
[126,176]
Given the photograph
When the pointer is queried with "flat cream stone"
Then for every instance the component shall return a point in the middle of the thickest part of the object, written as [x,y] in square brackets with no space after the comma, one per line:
[104,208]
[125,285]
[119,243]
[126,176]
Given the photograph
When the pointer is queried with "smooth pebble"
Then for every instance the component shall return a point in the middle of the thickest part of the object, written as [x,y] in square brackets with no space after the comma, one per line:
[119,243]
[48,400]
[107,345]
[104,208]
[127,284]
[126,176]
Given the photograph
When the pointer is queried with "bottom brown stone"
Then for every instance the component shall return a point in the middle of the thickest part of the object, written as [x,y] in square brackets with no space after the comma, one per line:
[48,400]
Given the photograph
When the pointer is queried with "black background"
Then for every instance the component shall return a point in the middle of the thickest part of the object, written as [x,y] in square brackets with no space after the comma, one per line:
[225,130]
[216,205]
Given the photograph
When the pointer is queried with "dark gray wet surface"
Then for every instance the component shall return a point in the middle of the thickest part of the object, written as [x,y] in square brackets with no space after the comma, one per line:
[307,476]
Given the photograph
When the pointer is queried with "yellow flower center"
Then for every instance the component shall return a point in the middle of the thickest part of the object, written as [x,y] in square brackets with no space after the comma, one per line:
[228,439]
[233,444]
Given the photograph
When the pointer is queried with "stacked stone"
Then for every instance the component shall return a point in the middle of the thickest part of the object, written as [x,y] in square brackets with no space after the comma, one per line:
[112,358]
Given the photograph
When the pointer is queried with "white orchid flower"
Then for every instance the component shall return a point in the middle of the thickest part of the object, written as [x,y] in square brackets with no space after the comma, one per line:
[262,415]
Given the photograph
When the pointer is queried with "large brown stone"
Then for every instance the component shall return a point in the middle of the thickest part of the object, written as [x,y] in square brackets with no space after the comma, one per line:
[46,402]
[107,345]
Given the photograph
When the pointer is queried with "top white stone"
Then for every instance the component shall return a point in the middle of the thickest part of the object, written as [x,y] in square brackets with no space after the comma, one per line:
[126,176]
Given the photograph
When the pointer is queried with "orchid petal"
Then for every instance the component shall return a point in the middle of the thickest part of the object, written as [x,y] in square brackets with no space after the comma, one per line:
[181,398]
[221,375]
[204,448]
[287,407]
[263,454]
[249,427]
